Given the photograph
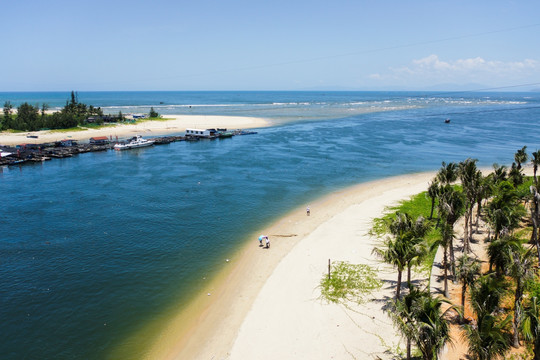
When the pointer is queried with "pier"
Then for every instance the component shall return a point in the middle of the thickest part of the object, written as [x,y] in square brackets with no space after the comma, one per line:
[37,153]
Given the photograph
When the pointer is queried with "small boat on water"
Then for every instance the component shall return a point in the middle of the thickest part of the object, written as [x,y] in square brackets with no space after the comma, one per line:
[447,121]
[133,143]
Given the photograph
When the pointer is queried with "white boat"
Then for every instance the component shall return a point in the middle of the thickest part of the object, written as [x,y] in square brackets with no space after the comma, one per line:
[134,142]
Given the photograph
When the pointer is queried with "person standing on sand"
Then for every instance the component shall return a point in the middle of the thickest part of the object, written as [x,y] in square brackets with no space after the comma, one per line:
[307,211]
[267,243]
[261,239]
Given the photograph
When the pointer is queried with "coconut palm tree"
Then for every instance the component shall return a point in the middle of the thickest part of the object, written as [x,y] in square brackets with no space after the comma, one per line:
[416,244]
[515,175]
[530,325]
[433,326]
[470,179]
[521,157]
[535,219]
[505,209]
[394,252]
[447,234]
[499,174]
[408,244]
[450,207]
[498,253]
[448,173]
[468,269]
[521,271]
[403,313]
[535,160]
[486,294]
[488,339]
[433,192]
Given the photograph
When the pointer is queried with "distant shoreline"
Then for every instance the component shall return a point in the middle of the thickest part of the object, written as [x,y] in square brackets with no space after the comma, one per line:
[176,124]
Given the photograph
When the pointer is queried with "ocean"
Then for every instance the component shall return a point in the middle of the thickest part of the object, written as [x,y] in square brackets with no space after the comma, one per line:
[95,248]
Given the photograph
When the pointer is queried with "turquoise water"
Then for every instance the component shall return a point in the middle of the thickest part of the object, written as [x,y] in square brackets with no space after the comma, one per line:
[95,246]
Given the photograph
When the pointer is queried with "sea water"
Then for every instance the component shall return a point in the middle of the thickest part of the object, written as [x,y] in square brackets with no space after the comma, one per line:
[95,247]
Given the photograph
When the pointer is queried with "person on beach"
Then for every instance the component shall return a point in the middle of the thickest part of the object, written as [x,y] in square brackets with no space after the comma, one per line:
[307,211]
[267,243]
[261,240]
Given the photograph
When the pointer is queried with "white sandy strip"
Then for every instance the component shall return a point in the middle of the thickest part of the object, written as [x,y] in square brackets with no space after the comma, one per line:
[287,321]
[176,124]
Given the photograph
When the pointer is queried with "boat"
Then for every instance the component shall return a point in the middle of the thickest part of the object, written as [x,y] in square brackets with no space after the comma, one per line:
[133,143]
[447,121]
[225,134]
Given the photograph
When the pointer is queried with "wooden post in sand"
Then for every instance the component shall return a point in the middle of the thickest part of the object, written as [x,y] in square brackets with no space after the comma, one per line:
[328,269]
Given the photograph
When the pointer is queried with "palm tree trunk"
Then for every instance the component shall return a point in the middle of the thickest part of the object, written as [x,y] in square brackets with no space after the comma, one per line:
[408,349]
[445,266]
[463,292]
[470,224]
[466,234]
[452,259]
[432,207]
[398,288]
[409,274]
[517,305]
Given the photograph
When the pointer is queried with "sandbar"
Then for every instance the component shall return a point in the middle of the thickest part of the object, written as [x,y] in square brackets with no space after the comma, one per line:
[266,304]
[170,125]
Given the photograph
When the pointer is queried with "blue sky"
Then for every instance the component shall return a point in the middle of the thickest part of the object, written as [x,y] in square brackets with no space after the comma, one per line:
[269,45]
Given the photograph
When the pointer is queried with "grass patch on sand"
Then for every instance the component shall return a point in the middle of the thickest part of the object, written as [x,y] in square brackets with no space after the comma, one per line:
[349,283]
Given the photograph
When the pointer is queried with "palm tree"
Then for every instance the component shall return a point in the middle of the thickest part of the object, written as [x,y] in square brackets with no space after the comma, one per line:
[394,253]
[498,251]
[404,313]
[499,174]
[468,269]
[486,295]
[535,219]
[530,326]
[515,175]
[416,244]
[448,173]
[535,160]
[447,234]
[505,209]
[433,326]
[484,192]
[433,192]
[521,271]
[450,208]
[488,339]
[521,157]
[470,179]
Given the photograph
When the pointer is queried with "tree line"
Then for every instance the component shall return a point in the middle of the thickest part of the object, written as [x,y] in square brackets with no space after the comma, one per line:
[33,117]
[505,298]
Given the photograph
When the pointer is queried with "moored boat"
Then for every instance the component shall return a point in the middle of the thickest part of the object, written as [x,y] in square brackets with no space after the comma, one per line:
[133,143]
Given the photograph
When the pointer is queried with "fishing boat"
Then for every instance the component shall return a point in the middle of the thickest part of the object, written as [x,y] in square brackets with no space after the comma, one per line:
[134,142]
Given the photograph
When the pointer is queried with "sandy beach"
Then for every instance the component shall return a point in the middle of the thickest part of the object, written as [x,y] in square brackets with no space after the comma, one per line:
[266,304]
[173,124]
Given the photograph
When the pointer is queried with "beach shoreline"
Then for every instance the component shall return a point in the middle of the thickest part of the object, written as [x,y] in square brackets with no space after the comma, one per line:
[264,298]
[170,124]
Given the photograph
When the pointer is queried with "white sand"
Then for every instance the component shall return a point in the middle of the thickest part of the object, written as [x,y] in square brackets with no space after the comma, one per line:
[176,124]
[267,306]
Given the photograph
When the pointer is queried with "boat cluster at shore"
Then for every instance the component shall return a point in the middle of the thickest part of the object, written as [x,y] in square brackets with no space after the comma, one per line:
[37,153]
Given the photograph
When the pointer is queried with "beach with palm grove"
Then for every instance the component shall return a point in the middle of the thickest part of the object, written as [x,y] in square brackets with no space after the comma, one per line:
[438,265]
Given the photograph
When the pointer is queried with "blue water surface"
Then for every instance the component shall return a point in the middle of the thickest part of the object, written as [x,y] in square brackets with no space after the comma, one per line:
[93,247]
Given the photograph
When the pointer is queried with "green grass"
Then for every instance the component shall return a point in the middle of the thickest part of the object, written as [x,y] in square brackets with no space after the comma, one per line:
[349,283]
[417,205]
